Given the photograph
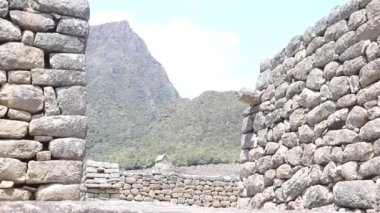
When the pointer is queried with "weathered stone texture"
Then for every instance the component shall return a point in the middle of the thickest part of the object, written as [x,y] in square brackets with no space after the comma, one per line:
[56,171]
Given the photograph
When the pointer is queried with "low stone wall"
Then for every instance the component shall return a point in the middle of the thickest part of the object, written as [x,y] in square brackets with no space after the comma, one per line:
[42,98]
[181,189]
[312,134]
[101,181]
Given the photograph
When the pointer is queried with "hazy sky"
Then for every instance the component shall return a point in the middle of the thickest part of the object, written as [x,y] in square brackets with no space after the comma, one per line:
[213,44]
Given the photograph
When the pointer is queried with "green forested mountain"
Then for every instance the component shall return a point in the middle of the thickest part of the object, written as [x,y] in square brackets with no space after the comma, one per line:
[135,113]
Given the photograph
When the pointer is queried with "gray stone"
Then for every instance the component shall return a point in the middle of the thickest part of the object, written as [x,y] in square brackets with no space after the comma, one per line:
[353,66]
[51,104]
[247,141]
[251,97]
[279,157]
[247,125]
[73,26]
[4,184]
[294,156]
[278,75]
[325,92]
[338,119]
[339,86]
[259,122]
[19,77]
[308,154]
[342,136]
[79,8]
[72,100]
[19,115]
[284,172]
[322,155]
[290,139]
[3,111]
[330,70]
[294,45]
[303,68]
[3,8]
[320,112]
[14,195]
[317,196]
[370,73]
[316,43]
[373,9]
[43,156]
[370,131]
[309,35]
[59,126]
[18,4]
[278,131]
[58,192]
[356,19]
[369,93]
[23,97]
[297,119]
[254,184]
[331,174]
[346,101]
[345,41]
[295,88]
[28,38]
[356,118]
[32,21]
[360,151]
[281,90]
[324,55]
[256,153]
[265,64]
[355,50]
[9,31]
[264,164]
[306,134]
[12,170]
[309,99]
[55,42]
[15,56]
[350,170]
[336,30]
[354,84]
[315,79]
[269,177]
[369,30]
[263,80]
[68,148]
[69,61]
[359,194]
[271,148]
[268,93]
[20,149]
[296,185]
[373,113]
[371,51]
[57,171]
[247,169]
[370,168]
[337,154]
[13,129]
[321,25]
[58,78]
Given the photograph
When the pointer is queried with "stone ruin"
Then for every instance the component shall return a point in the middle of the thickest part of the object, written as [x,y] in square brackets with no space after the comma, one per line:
[311,137]
[42,98]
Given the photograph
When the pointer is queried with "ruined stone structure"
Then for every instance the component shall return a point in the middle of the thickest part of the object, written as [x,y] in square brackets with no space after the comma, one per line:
[311,135]
[42,98]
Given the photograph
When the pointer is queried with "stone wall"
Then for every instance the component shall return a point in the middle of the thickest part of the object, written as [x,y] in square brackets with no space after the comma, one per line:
[311,135]
[218,192]
[42,98]
[101,181]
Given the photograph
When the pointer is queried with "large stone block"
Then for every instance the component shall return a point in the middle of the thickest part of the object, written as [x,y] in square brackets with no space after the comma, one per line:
[341,136]
[73,26]
[371,130]
[68,148]
[58,78]
[369,93]
[14,195]
[370,73]
[32,21]
[15,56]
[296,185]
[78,8]
[9,31]
[59,126]
[22,97]
[58,192]
[12,170]
[358,194]
[68,61]
[10,129]
[72,100]
[55,42]
[20,149]
[57,171]
[320,113]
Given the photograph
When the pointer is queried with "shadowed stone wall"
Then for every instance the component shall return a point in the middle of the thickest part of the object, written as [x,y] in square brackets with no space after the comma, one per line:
[42,98]
[311,135]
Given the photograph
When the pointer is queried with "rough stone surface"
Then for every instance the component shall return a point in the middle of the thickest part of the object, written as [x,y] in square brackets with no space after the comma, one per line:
[59,126]
[19,56]
[13,129]
[58,78]
[72,100]
[13,194]
[9,31]
[67,61]
[55,42]
[80,8]
[32,21]
[20,149]
[57,171]
[23,97]
[73,26]
[12,170]
[57,192]
[355,194]
[68,148]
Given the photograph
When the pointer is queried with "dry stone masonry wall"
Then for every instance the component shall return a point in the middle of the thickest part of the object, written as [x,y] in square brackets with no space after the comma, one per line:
[312,134]
[217,192]
[42,98]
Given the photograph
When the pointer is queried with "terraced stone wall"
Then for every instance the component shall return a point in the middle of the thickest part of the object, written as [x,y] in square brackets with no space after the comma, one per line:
[42,98]
[311,135]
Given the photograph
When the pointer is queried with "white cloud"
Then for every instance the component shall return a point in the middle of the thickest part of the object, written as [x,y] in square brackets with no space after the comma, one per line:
[196,59]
